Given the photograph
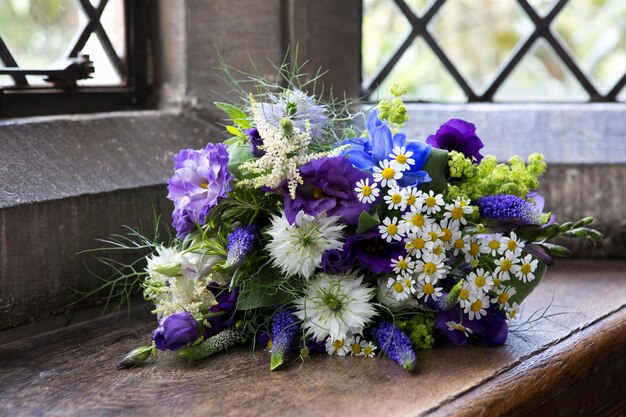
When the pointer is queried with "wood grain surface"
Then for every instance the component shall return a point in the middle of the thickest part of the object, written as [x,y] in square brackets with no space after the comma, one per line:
[572,364]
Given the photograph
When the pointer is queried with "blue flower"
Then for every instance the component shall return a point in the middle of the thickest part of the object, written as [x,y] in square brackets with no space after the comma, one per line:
[395,344]
[240,243]
[366,153]
[284,329]
[176,331]
[511,210]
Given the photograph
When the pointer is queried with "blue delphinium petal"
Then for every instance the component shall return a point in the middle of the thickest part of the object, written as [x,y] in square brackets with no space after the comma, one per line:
[395,344]
[382,143]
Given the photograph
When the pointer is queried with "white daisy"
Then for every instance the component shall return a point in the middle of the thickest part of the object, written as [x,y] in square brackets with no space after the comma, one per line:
[513,245]
[432,202]
[367,193]
[481,280]
[395,199]
[426,289]
[431,266]
[477,308]
[297,248]
[389,230]
[397,289]
[513,312]
[504,267]
[457,211]
[448,229]
[356,346]
[335,306]
[409,283]
[453,325]
[413,221]
[401,158]
[368,350]
[492,245]
[472,251]
[525,270]
[386,174]
[402,265]
[413,198]
[415,243]
[337,346]
[461,244]
[466,294]
[503,295]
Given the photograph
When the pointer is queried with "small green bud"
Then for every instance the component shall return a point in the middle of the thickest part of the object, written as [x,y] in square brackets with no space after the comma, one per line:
[135,357]
[170,270]
[286,125]
[556,250]
[398,90]
[565,227]
[583,222]
[304,352]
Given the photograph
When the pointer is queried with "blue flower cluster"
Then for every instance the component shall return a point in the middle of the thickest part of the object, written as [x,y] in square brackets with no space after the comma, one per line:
[395,344]
[509,207]
[240,243]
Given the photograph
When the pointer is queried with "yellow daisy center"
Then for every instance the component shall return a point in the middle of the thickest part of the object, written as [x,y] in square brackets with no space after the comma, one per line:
[367,350]
[438,250]
[401,158]
[497,282]
[392,229]
[480,281]
[388,173]
[418,243]
[494,244]
[396,198]
[457,213]
[402,264]
[428,289]
[511,245]
[464,294]
[460,327]
[433,236]
[366,190]
[430,201]
[447,234]
[356,348]
[477,306]
[459,243]
[474,249]
[430,268]
[503,298]
[512,314]
[417,220]
[506,265]
[411,199]
[525,269]
[338,344]
[397,287]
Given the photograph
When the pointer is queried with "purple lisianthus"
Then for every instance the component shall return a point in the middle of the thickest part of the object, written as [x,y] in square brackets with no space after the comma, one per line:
[334,262]
[200,178]
[328,185]
[491,329]
[458,135]
[395,344]
[176,331]
[226,303]
[255,141]
[372,252]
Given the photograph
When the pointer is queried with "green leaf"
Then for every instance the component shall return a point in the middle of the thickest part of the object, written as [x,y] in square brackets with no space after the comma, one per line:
[234,131]
[238,153]
[525,288]
[263,290]
[436,165]
[367,221]
[237,115]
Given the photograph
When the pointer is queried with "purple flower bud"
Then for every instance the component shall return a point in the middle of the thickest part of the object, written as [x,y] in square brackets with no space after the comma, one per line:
[458,135]
[255,141]
[333,262]
[226,302]
[175,331]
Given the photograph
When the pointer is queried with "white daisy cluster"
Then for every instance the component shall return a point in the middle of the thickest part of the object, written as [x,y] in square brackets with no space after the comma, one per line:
[286,149]
[355,346]
[177,281]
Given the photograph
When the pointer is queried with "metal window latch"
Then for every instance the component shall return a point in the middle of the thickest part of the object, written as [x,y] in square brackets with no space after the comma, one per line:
[62,73]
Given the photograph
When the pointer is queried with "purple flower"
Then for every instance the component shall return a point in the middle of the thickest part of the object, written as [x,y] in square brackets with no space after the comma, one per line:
[491,329]
[372,252]
[328,185]
[284,330]
[510,210]
[175,331]
[240,243]
[200,179]
[255,141]
[395,344]
[458,135]
[334,262]
[226,303]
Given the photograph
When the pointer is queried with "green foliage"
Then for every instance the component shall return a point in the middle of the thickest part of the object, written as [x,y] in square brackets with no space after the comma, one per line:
[491,178]
[246,206]
[367,221]
[525,288]
[236,115]
[436,167]
[264,288]
[239,153]
[394,111]
[421,330]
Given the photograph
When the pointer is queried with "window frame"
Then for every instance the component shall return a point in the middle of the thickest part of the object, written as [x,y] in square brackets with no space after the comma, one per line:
[38,101]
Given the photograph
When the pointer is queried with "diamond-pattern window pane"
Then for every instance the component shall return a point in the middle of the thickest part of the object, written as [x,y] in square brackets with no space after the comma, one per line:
[509,50]
[40,33]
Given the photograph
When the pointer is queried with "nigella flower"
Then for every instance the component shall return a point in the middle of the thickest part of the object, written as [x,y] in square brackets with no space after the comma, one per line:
[284,329]
[298,107]
[335,306]
[255,141]
[175,331]
[200,178]
[240,243]
[458,135]
[381,145]
[328,185]
[510,210]
[297,248]
[395,344]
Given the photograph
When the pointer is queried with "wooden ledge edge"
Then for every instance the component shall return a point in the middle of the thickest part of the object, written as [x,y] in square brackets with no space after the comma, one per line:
[544,376]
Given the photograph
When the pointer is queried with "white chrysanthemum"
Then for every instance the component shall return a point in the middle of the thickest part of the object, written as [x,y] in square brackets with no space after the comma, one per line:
[513,312]
[426,289]
[504,267]
[395,199]
[503,295]
[385,296]
[386,174]
[403,265]
[356,345]
[460,243]
[467,294]
[457,211]
[492,245]
[367,193]
[481,280]
[390,230]
[413,198]
[335,306]
[477,308]
[415,243]
[513,245]
[432,202]
[453,325]
[297,248]
[414,221]
[432,266]
[525,270]
[448,231]
[337,347]
[401,158]
[398,289]
[472,251]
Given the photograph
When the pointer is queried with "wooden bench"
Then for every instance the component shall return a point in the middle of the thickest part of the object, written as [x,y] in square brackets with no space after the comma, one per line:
[571,364]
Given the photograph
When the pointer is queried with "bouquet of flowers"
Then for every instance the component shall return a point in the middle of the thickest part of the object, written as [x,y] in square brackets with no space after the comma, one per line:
[314,229]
